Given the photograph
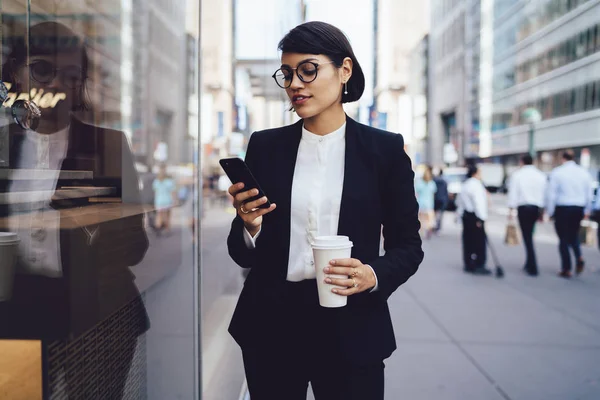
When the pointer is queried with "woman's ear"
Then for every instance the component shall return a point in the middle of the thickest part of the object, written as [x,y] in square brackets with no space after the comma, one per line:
[347,66]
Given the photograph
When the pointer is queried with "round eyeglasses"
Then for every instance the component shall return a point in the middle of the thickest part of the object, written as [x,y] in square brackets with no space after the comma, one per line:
[44,72]
[306,71]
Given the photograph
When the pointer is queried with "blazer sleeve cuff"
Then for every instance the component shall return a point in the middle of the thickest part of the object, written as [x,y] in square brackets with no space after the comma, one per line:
[376,287]
[249,240]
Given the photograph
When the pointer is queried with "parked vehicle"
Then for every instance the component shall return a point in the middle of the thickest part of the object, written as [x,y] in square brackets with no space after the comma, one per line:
[454,176]
[492,176]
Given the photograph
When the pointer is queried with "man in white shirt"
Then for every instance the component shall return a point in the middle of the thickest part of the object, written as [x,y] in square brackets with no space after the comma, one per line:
[526,194]
[596,211]
[473,206]
[569,200]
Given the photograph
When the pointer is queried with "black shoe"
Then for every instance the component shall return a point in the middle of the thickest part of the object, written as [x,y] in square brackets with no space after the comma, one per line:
[565,274]
[580,266]
[482,271]
[530,271]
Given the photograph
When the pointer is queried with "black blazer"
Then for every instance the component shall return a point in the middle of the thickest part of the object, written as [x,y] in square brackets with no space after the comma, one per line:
[378,190]
[96,278]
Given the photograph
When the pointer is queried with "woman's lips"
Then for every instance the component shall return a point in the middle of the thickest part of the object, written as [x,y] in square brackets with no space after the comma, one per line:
[299,100]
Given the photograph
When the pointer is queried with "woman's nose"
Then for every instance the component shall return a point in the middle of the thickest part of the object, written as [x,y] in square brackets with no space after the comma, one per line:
[296,82]
[55,83]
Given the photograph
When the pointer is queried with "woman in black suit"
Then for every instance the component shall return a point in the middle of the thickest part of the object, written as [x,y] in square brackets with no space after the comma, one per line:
[325,175]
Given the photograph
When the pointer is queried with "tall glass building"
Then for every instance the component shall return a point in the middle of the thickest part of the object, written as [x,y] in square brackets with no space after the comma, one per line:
[546,61]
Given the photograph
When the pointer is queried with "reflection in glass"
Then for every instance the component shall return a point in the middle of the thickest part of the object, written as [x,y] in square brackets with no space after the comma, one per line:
[71,195]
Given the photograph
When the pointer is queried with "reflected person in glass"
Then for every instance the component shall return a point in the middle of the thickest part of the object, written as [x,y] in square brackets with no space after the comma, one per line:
[73,283]
[325,175]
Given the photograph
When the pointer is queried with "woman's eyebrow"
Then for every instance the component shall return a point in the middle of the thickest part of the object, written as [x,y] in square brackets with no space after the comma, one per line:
[305,60]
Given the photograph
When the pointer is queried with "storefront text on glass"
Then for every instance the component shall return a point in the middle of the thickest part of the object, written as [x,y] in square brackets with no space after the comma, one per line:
[39,97]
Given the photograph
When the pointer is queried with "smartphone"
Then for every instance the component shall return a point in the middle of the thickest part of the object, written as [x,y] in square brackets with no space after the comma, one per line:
[237,171]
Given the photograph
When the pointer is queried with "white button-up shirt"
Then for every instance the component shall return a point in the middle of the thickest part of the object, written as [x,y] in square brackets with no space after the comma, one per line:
[570,185]
[39,248]
[527,187]
[473,198]
[316,199]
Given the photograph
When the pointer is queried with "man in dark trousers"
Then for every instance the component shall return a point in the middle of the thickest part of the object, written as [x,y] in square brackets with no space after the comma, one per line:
[526,194]
[441,199]
[473,207]
[569,201]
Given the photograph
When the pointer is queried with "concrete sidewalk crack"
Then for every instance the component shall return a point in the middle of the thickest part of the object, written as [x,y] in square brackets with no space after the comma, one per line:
[454,341]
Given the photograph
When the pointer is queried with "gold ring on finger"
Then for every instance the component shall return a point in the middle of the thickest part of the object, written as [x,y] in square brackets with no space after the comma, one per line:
[354,284]
[243,210]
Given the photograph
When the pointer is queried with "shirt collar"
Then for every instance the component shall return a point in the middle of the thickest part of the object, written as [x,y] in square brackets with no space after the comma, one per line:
[58,136]
[311,137]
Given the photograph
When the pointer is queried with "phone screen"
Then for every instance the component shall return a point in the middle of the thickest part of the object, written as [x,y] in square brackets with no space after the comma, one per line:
[237,171]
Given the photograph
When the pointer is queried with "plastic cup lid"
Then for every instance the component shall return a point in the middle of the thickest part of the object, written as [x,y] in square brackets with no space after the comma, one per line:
[331,242]
[8,237]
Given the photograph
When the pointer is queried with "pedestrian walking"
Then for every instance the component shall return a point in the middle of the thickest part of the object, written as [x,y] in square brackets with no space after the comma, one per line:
[425,189]
[441,199]
[165,197]
[473,207]
[526,193]
[596,214]
[325,175]
[569,200]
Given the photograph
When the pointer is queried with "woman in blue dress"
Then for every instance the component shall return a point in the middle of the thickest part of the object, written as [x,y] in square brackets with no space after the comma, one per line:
[425,189]
[164,199]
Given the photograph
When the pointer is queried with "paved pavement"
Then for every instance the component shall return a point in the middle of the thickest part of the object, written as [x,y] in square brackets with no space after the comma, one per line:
[465,337]
[222,369]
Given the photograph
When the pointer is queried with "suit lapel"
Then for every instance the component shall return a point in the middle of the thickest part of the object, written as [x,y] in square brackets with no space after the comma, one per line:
[82,149]
[287,153]
[354,174]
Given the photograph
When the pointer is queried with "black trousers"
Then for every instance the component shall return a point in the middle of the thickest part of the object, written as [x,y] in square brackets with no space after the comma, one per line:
[528,216]
[439,207]
[473,238]
[567,220]
[303,352]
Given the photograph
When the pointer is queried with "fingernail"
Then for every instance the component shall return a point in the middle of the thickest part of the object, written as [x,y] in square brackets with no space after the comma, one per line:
[254,191]
[334,290]
[326,269]
[327,280]
[332,262]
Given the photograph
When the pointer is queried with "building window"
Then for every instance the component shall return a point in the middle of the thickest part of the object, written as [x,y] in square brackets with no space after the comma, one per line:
[577,47]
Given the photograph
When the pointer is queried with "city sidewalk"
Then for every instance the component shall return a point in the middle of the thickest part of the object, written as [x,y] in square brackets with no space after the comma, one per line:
[521,338]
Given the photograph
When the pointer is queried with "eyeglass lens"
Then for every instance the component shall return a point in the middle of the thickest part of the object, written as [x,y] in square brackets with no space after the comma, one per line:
[44,72]
[307,72]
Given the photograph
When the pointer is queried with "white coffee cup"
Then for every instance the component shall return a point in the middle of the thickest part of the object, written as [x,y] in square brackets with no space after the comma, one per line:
[325,249]
[9,244]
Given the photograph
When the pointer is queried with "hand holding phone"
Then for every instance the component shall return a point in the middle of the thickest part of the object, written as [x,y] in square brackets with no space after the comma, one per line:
[238,172]
[249,199]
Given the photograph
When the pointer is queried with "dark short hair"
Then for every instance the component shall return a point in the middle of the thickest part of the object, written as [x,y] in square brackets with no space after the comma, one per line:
[527,159]
[471,170]
[322,38]
[568,155]
[46,38]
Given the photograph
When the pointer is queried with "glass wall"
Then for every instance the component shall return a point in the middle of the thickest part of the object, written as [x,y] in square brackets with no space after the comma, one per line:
[99,277]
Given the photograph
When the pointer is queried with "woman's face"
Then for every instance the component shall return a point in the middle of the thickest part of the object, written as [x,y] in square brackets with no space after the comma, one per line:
[61,78]
[313,98]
